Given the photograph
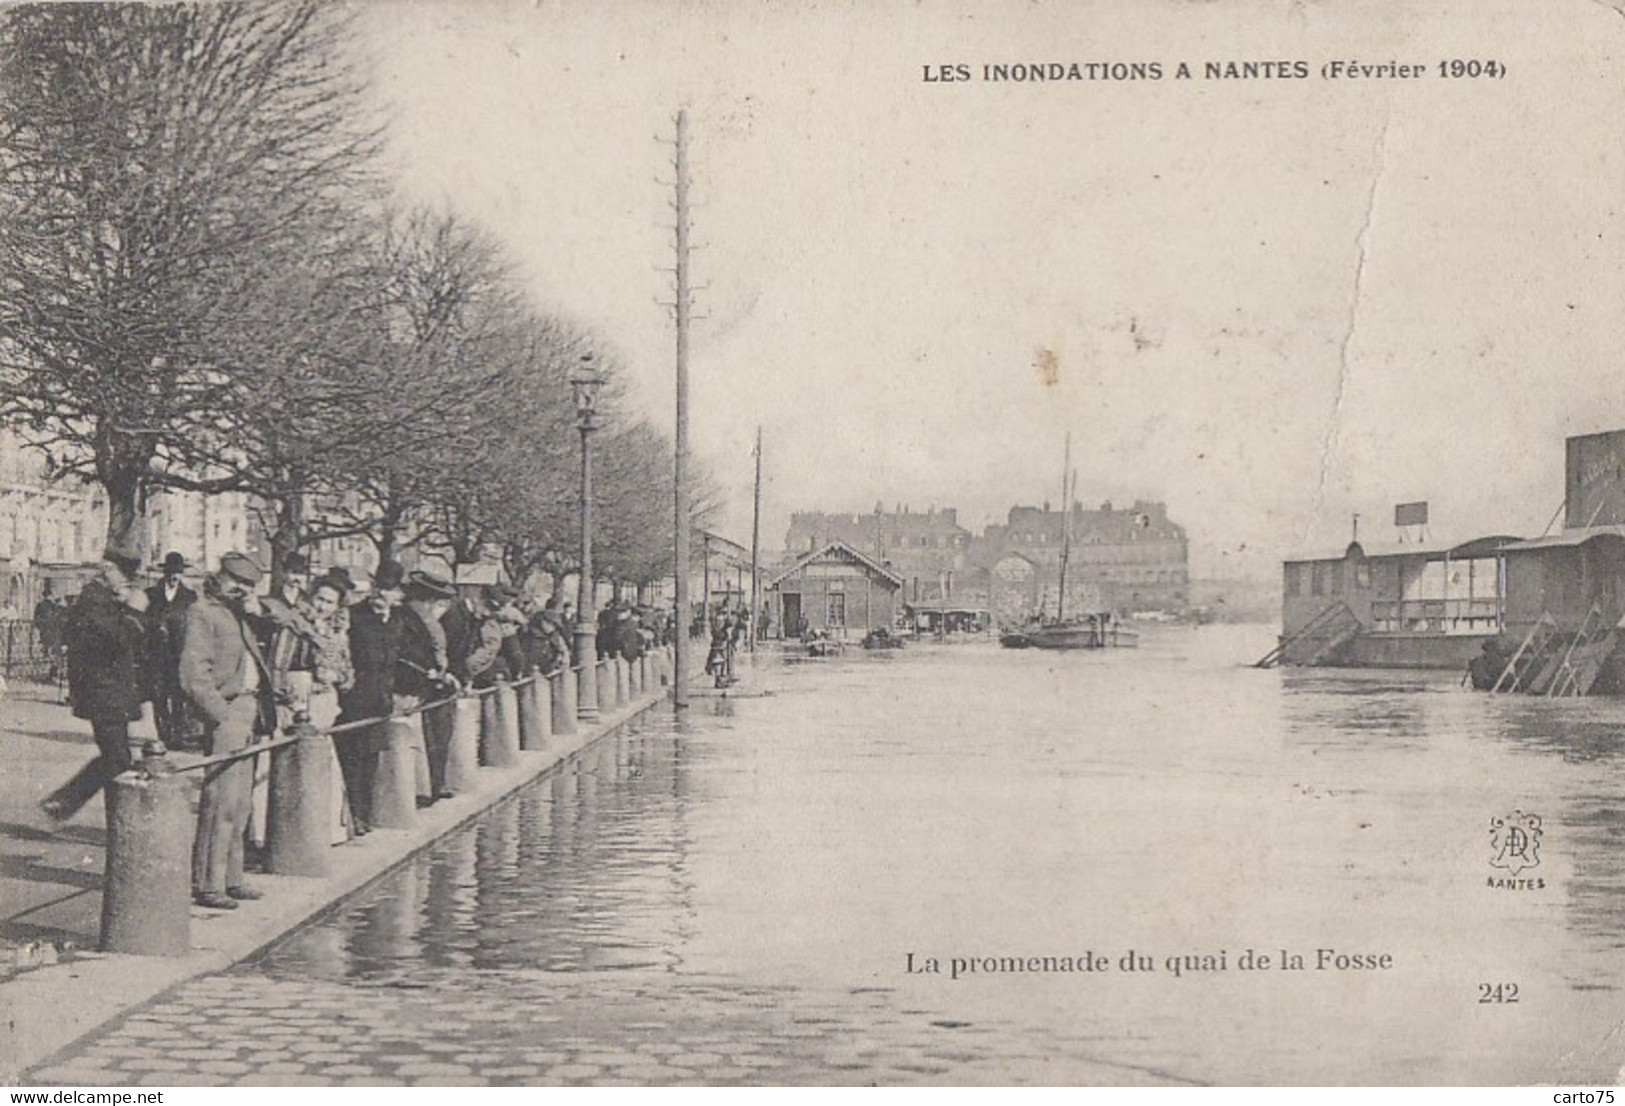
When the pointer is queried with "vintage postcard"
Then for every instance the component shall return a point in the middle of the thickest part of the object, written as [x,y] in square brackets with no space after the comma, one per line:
[1152,610]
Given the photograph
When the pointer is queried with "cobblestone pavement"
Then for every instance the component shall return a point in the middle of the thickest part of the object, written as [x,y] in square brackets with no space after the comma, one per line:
[521,1028]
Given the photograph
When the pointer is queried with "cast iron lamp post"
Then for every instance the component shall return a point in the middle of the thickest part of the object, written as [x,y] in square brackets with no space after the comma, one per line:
[586,383]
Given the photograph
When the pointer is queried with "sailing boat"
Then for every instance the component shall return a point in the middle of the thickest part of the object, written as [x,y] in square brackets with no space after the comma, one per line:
[1097,630]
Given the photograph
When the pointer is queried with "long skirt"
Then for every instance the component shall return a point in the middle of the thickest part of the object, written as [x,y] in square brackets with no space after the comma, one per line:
[324,712]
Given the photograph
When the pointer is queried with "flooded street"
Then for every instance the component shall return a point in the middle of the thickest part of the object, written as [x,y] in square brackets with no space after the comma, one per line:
[741,896]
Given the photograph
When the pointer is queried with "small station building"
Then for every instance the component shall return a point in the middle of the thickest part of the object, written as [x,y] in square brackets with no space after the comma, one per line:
[838,590]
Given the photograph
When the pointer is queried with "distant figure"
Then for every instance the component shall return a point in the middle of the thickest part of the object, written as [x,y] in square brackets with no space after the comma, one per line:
[48,618]
[719,663]
[167,601]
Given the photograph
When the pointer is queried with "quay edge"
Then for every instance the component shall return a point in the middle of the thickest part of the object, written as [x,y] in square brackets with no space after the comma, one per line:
[45,1011]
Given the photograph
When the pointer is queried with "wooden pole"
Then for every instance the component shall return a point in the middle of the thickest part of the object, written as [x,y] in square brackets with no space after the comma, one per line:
[756,548]
[683,511]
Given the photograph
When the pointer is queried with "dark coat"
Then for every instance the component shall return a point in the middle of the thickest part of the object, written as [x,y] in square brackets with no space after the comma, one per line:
[629,638]
[462,628]
[106,656]
[166,621]
[375,647]
[513,662]
[421,649]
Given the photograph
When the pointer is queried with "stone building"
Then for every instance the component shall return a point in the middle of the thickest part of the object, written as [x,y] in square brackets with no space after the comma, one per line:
[52,531]
[1122,559]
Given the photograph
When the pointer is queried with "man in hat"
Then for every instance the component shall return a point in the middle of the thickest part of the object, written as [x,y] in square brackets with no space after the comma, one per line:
[422,675]
[481,661]
[105,633]
[167,601]
[375,643]
[224,673]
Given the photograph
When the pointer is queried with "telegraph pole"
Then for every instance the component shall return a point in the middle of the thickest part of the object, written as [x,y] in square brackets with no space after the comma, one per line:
[756,548]
[679,695]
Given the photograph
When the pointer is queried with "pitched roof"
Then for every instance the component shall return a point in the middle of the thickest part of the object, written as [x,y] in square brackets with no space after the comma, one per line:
[846,550]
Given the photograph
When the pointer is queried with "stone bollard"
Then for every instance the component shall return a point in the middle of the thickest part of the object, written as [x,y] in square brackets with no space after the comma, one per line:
[463,755]
[499,747]
[623,682]
[541,697]
[299,831]
[532,717]
[564,702]
[395,786]
[606,686]
[634,678]
[147,889]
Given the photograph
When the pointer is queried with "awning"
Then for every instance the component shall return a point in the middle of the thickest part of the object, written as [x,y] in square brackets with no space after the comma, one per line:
[1568,538]
[1436,550]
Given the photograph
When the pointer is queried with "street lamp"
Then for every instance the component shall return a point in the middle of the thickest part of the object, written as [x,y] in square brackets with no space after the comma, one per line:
[585,383]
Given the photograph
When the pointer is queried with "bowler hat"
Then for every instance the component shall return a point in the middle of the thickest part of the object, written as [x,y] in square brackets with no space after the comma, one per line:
[296,562]
[174,564]
[389,576]
[242,568]
[432,584]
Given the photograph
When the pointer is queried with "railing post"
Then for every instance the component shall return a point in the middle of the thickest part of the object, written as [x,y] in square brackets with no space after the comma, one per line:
[623,682]
[500,747]
[564,701]
[605,677]
[463,757]
[395,786]
[634,677]
[534,714]
[298,834]
[147,888]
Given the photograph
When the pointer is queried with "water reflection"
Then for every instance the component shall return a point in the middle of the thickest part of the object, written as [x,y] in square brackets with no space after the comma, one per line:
[785,852]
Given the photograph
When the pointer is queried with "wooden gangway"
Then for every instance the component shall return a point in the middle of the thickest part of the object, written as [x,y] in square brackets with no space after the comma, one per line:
[1316,639]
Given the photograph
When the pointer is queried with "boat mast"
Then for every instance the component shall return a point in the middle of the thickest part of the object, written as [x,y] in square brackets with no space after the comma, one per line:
[1066,529]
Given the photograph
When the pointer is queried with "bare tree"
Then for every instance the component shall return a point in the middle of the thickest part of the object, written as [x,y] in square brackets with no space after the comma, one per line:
[161,168]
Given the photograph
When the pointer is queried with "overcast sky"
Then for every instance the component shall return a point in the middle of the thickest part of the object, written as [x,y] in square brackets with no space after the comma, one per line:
[1272,303]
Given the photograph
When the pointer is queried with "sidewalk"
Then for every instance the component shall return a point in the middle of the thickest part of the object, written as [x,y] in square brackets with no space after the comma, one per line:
[50,883]
[50,875]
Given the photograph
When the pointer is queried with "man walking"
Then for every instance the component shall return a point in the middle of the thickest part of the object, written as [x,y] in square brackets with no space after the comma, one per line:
[224,674]
[167,601]
[104,634]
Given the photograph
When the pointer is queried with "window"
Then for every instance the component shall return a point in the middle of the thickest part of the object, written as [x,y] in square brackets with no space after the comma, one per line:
[837,610]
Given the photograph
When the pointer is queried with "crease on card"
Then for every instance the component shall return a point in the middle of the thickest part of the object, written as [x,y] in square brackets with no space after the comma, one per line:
[1362,251]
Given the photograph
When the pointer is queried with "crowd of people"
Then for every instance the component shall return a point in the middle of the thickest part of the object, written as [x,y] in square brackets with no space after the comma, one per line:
[224,666]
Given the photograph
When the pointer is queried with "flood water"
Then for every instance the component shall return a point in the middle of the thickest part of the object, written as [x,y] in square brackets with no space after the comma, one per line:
[736,896]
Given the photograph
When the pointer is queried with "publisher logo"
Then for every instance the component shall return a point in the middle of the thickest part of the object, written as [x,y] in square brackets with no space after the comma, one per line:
[1515,846]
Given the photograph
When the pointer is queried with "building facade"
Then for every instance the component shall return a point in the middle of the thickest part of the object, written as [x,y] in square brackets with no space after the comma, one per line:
[1122,559]
[52,531]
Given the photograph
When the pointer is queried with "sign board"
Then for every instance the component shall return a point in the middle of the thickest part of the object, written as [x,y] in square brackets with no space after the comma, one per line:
[1411,514]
